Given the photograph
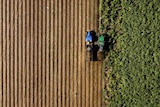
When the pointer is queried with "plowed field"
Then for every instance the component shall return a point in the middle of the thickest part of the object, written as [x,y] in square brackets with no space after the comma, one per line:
[42,54]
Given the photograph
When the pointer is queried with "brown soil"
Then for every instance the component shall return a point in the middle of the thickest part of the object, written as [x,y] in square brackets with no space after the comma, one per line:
[42,54]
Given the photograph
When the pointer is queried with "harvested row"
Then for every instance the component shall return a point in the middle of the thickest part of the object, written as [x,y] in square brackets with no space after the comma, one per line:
[42,54]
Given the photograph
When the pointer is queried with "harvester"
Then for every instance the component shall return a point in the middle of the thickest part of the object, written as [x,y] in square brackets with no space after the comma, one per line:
[101,43]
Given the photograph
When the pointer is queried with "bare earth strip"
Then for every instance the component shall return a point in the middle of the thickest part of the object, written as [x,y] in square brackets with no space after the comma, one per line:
[43,56]
[1,55]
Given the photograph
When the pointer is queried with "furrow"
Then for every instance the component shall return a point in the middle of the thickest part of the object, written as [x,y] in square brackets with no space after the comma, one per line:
[12,55]
[99,86]
[75,42]
[31,48]
[23,55]
[8,52]
[88,62]
[20,55]
[59,52]
[49,48]
[68,55]
[43,54]
[4,56]
[56,55]
[79,77]
[95,85]
[35,53]
[91,11]
[1,54]
[28,54]
[40,45]
[16,56]
[40,53]
[72,55]
[47,52]
[52,51]
[15,53]
[83,82]
[63,53]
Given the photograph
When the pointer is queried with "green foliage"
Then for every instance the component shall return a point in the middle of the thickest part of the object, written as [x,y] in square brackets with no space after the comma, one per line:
[134,80]
[109,20]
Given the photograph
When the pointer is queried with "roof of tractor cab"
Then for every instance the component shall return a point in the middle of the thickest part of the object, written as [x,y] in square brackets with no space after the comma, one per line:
[89,36]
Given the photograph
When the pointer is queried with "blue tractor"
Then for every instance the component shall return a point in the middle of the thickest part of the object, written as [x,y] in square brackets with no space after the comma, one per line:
[89,46]
[89,41]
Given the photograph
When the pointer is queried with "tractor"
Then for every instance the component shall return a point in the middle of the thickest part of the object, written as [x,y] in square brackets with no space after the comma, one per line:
[89,41]
[89,46]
